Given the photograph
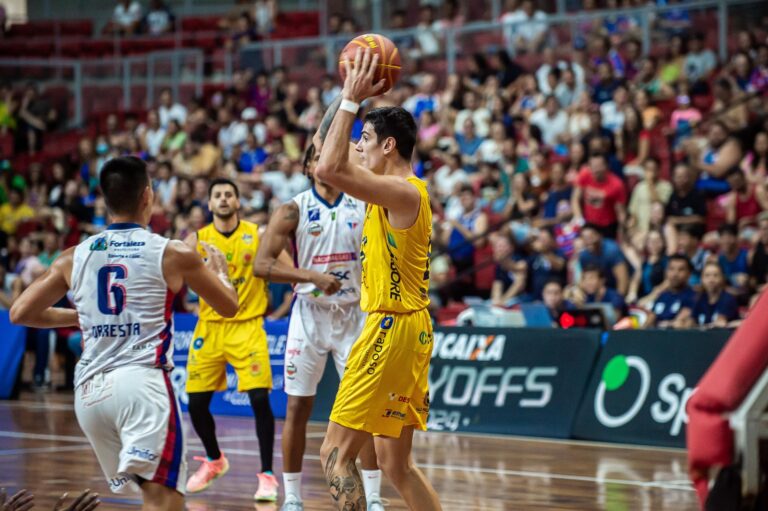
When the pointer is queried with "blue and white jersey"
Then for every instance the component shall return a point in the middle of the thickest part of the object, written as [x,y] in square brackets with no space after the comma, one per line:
[122,300]
[328,241]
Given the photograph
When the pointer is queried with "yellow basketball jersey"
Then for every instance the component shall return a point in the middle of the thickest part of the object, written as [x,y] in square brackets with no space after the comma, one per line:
[395,276]
[240,250]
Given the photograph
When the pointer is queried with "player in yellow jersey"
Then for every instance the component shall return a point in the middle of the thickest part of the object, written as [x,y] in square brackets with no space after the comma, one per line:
[384,391]
[240,341]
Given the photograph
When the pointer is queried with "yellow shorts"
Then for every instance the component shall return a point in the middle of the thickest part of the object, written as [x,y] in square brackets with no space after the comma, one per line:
[242,344]
[385,385]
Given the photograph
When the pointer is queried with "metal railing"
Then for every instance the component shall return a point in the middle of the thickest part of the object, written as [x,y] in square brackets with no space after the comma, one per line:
[450,37]
[136,79]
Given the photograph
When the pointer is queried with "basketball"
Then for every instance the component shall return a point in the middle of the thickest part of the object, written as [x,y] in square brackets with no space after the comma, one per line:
[389,58]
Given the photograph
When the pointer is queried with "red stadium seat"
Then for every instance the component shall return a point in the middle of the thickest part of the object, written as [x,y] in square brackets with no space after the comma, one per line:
[82,27]
[200,23]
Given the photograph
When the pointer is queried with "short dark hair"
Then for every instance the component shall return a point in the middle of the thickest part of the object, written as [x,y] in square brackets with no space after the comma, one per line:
[122,182]
[309,155]
[593,268]
[691,230]
[553,280]
[591,226]
[223,181]
[395,122]
[680,257]
[466,188]
[728,229]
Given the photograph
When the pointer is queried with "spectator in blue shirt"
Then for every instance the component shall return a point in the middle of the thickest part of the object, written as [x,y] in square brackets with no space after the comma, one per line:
[554,299]
[592,289]
[544,264]
[606,255]
[251,154]
[674,299]
[733,259]
[469,143]
[714,307]
[462,235]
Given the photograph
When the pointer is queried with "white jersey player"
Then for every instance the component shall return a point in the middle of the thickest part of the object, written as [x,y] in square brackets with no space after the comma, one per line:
[323,229]
[123,281]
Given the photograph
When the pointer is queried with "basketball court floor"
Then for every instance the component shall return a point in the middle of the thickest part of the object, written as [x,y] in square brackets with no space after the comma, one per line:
[42,449]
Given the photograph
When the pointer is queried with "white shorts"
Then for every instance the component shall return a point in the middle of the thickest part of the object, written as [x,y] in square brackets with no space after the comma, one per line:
[314,331]
[133,421]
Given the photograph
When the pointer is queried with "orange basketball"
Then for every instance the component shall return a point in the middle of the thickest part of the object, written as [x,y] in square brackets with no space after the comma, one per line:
[389,57]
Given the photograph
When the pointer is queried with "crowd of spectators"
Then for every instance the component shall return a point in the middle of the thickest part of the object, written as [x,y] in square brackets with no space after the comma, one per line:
[600,177]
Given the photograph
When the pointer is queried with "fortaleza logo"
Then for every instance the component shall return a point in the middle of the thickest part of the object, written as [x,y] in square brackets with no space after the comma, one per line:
[625,388]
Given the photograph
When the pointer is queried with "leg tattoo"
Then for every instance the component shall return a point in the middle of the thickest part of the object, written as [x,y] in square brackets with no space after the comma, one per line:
[346,485]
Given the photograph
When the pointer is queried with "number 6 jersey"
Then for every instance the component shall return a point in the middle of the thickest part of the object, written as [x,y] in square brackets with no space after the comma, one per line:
[122,300]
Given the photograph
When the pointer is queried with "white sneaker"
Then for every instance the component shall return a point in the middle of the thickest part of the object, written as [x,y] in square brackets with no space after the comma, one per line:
[292,503]
[375,503]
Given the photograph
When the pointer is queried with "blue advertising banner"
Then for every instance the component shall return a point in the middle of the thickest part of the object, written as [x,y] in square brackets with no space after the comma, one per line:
[13,338]
[517,381]
[230,402]
[641,384]
[505,381]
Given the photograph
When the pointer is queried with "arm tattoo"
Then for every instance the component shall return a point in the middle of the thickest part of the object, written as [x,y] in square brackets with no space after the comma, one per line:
[292,214]
[325,124]
[346,489]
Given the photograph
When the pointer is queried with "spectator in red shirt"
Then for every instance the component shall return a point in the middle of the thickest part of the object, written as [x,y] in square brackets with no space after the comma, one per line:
[599,197]
[742,203]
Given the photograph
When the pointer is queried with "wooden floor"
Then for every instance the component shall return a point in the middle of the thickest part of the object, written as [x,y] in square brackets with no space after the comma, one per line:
[43,449]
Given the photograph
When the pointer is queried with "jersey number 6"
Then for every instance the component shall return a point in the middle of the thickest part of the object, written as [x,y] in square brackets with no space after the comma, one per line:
[112,295]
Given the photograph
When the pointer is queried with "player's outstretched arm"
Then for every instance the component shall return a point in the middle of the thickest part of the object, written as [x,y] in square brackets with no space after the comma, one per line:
[270,266]
[34,307]
[209,280]
[395,193]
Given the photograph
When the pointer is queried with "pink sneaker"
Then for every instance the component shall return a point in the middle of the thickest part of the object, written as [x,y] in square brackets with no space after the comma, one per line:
[208,472]
[268,486]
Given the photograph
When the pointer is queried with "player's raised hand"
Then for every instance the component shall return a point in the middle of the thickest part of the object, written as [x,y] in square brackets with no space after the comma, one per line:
[216,261]
[328,284]
[21,501]
[85,502]
[359,82]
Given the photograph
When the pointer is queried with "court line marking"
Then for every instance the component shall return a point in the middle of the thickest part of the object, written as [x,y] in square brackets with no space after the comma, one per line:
[509,472]
[38,450]
[69,438]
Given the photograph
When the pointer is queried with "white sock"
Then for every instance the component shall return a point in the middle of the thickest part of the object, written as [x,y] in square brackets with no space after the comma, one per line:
[292,483]
[371,482]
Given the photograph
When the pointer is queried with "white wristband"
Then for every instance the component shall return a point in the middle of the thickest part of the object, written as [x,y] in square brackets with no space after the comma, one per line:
[349,106]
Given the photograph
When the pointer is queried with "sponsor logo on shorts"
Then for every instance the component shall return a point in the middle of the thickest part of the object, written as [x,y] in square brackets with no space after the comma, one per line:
[315,229]
[425,408]
[425,338]
[386,323]
[378,347]
[198,343]
[144,454]
[255,368]
[291,370]
[399,398]
[116,483]
[393,414]
[293,352]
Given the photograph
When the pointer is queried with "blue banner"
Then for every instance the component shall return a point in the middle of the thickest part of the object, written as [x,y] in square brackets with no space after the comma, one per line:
[641,384]
[515,381]
[230,402]
[14,338]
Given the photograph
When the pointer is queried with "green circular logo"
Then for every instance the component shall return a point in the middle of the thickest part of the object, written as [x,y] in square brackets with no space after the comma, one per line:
[616,372]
